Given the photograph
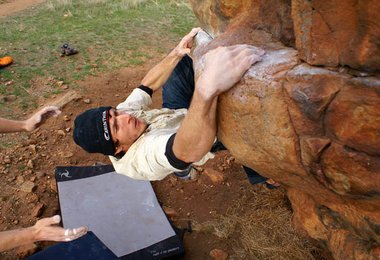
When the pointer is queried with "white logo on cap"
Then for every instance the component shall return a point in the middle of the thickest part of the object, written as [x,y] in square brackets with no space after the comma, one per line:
[105,128]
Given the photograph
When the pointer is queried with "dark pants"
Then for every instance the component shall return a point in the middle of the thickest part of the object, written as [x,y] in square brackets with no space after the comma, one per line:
[177,93]
[178,90]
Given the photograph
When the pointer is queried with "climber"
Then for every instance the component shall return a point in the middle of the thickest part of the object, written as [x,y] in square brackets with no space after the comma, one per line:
[45,229]
[150,144]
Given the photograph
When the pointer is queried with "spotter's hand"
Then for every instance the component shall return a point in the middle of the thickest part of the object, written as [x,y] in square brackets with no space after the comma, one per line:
[40,117]
[46,230]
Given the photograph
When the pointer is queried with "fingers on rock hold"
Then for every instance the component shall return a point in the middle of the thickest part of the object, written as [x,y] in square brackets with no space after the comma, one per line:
[56,218]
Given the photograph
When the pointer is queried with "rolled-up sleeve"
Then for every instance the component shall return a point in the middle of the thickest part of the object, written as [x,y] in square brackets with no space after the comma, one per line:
[137,100]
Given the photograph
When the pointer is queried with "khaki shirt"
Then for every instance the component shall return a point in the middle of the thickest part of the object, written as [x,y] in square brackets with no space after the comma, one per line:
[145,159]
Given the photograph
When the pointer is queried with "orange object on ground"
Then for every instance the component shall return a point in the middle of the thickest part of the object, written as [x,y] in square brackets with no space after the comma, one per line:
[5,61]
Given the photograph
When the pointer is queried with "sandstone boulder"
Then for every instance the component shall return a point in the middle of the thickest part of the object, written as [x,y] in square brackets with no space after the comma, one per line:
[316,130]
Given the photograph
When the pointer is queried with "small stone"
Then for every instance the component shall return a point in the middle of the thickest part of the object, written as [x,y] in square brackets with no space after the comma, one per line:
[7,160]
[60,83]
[37,210]
[87,101]
[33,148]
[230,160]
[61,132]
[15,222]
[30,164]
[33,178]
[68,129]
[53,186]
[32,142]
[66,154]
[170,212]
[20,179]
[28,186]
[218,254]
[216,177]
[8,83]
[66,118]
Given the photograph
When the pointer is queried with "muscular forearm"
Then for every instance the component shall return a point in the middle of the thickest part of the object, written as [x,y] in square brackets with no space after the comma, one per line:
[9,126]
[160,73]
[15,238]
[197,132]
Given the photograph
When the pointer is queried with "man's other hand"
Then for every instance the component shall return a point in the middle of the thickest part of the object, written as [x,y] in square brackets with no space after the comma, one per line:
[225,66]
[45,230]
[184,46]
[40,117]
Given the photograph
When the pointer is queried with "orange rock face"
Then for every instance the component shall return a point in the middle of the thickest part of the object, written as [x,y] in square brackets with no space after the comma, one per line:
[316,130]
[271,16]
[340,32]
[345,32]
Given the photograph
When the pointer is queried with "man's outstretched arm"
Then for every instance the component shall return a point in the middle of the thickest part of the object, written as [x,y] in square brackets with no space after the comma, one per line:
[11,126]
[160,73]
[224,67]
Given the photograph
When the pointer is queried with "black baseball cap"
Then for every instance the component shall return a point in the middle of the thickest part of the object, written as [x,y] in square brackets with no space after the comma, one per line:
[92,131]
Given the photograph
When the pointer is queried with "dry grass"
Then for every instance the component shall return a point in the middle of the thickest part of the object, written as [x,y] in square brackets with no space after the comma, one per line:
[121,4]
[124,4]
[260,223]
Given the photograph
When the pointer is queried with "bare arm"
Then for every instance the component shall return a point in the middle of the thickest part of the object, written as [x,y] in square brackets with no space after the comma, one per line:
[43,230]
[10,126]
[160,73]
[224,67]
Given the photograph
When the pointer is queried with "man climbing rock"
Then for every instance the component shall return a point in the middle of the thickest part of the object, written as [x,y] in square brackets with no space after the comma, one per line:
[149,144]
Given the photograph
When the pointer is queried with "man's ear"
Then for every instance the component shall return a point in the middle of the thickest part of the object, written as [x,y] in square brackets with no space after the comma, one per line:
[119,149]
[119,153]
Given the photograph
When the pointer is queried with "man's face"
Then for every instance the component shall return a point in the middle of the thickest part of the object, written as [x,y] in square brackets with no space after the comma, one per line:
[125,129]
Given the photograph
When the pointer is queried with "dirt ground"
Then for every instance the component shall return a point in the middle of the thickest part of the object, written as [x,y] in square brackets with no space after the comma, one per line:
[28,188]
